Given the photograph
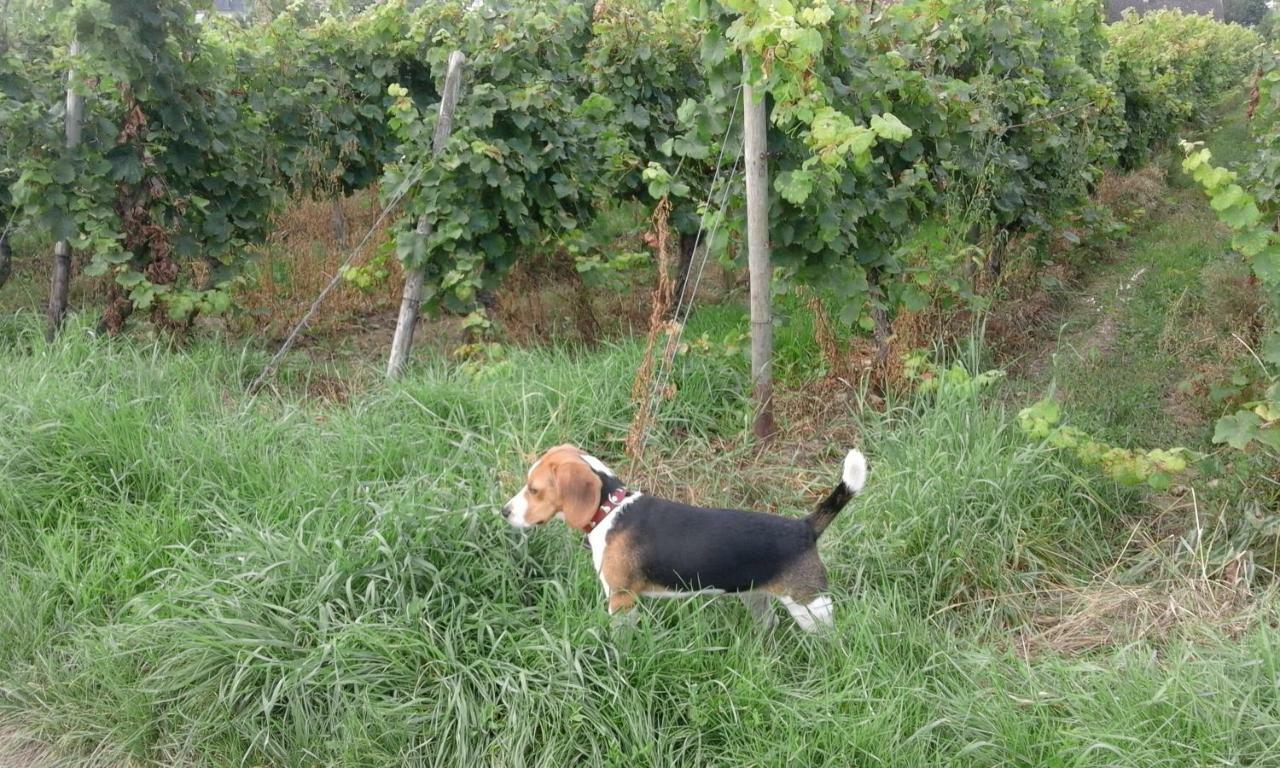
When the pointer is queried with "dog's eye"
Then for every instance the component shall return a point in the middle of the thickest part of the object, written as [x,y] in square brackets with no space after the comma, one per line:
[534,491]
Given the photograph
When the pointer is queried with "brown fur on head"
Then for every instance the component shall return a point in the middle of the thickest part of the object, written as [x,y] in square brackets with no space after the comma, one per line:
[560,482]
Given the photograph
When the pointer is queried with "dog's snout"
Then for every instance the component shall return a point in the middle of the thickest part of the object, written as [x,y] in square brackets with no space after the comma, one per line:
[514,510]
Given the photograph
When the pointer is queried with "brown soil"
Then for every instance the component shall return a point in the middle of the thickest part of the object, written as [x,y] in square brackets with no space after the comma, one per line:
[19,751]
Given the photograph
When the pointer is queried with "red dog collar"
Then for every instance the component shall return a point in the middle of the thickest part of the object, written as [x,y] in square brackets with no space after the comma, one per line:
[615,498]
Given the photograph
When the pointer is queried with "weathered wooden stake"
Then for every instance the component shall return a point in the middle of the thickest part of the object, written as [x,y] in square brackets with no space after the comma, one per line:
[339,220]
[62,249]
[755,149]
[6,257]
[416,274]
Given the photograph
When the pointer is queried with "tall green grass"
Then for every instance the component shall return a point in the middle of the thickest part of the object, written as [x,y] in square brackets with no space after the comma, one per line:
[188,576]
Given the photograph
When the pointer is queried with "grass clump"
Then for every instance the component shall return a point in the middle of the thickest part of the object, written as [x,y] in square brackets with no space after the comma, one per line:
[966,509]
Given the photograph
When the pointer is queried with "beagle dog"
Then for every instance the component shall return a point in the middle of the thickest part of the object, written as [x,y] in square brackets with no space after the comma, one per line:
[644,546]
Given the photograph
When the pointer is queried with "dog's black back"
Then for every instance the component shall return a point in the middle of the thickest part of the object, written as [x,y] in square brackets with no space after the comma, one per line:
[683,548]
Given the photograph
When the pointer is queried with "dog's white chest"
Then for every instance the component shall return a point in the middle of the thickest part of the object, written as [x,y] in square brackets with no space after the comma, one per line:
[599,535]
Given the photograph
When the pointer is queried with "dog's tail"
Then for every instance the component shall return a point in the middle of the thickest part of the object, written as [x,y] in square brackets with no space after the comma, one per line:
[852,478]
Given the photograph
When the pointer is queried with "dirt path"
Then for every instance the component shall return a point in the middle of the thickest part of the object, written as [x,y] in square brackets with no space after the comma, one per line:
[17,751]
[1139,330]
[1144,326]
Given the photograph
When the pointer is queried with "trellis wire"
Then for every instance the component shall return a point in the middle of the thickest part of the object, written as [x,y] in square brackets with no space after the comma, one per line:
[684,304]
[270,367]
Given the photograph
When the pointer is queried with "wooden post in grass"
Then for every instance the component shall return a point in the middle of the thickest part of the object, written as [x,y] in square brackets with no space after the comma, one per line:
[755,149]
[6,256]
[62,249]
[416,275]
[341,232]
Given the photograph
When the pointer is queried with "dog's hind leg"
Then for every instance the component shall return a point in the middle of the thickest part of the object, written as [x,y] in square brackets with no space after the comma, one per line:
[815,615]
[761,607]
[622,609]
[801,588]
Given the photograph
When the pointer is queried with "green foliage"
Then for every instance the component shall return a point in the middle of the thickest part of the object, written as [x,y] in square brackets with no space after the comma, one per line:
[877,115]
[785,48]
[565,112]
[930,97]
[1247,202]
[1249,13]
[322,85]
[169,174]
[954,381]
[39,183]
[370,275]
[1155,467]
[184,572]
[642,83]
[519,159]
[1171,68]
[880,118]
[27,86]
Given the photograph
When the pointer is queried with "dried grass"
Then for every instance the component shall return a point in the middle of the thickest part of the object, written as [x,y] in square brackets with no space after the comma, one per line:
[1015,328]
[302,255]
[1079,620]
[1211,338]
[806,412]
[19,750]
[543,299]
[644,394]
[1130,192]
[1189,585]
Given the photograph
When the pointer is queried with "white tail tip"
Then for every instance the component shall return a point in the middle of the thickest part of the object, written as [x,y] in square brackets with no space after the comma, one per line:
[854,475]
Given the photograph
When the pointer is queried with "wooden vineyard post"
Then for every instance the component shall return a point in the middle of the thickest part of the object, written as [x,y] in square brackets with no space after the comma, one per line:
[6,255]
[341,230]
[755,148]
[416,275]
[62,249]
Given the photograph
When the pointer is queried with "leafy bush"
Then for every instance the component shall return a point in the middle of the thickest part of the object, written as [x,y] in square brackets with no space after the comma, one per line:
[1171,68]
[168,183]
[1248,202]
[881,116]
[26,84]
[323,86]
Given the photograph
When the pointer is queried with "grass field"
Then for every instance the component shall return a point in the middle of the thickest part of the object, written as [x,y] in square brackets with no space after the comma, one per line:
[192,577]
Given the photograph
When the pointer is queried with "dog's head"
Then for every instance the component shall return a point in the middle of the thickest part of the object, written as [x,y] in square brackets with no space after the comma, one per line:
[561,483]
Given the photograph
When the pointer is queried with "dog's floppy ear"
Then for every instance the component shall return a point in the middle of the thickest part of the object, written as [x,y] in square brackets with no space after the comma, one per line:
[579,490]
